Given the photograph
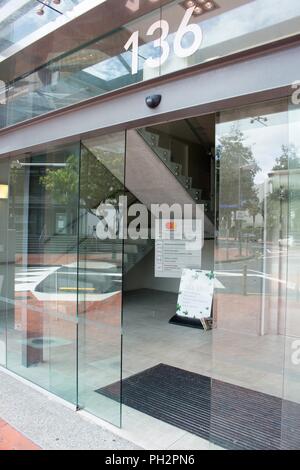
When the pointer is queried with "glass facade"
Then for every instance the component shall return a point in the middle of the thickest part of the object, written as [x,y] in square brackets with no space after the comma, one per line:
[39,230]
[198,339]
[100,276]
[256,258]
[21,24]
[173,36]
[83,315]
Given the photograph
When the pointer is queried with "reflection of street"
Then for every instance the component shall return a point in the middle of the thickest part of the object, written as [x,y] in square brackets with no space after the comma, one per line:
[258,273]
[48,313]
[27,278]
[96,281]
[261,292]
[257,315]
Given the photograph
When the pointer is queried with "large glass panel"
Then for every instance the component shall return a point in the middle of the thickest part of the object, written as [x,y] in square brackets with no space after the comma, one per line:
[5,269]
[41,278]
[166,327]
[100,275]
[24,21]
[290,171]
[225,27]
[253,150]
[169,38]
[100,67]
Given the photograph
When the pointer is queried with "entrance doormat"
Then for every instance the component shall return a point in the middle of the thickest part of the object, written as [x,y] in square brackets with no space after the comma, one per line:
[227,415]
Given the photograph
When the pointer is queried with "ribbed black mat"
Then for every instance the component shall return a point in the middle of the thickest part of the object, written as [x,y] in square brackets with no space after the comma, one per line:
[229,416]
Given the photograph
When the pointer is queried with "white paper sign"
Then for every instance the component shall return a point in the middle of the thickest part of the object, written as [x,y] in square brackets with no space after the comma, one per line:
[195,294]
[175,248]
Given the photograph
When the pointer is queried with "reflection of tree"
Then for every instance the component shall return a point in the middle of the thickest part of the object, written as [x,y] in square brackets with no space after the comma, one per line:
[16,189]
[284,195]
[254,208]
[97,183]
[288,160]
[238,169]
[62,183]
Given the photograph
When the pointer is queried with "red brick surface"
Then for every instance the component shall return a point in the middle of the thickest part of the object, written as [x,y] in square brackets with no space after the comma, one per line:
[11,439]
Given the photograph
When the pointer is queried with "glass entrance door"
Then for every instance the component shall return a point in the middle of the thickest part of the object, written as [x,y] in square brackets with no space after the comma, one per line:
[170,169]
[38,321]
[100,280]
[255,346]
[4,177]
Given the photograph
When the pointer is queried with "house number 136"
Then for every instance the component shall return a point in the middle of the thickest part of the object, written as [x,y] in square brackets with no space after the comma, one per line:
[162,42]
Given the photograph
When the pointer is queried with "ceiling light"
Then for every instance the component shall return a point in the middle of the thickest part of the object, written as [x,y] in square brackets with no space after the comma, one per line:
[48,4]
[3,191]
[209,6]
[40,11]
[198,10]
[189,4]
[200,6]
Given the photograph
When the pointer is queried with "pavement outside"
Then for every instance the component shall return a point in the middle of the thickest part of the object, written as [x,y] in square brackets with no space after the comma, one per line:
[31,420]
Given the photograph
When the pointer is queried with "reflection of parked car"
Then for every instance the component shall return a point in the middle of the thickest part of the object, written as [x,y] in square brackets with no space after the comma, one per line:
[250,237]
[289,241]
[96,281]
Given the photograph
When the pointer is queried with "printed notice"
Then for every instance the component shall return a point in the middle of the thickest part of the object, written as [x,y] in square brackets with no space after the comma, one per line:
[195,294]
[172,254]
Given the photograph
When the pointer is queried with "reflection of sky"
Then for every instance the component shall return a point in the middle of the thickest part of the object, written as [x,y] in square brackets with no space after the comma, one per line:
[247,18]
[112,67]
[25,21]
[254,16]
[265,142]
[108,69]
[294,127]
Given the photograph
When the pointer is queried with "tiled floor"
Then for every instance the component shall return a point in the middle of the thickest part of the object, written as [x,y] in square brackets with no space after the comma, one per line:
[234,357]
[11,439]
[237,357]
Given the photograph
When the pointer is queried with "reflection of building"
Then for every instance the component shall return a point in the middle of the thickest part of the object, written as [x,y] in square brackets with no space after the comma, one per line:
[284,188]
[48,216]
[81,316]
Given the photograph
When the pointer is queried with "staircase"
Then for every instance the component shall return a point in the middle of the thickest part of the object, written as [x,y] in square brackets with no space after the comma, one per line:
[132,251]
[155,179]
[165,155]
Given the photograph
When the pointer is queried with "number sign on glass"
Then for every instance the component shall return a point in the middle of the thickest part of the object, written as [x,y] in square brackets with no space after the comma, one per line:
[162,42]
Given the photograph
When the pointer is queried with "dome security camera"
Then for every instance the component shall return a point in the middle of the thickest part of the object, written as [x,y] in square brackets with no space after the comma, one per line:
[153,101]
